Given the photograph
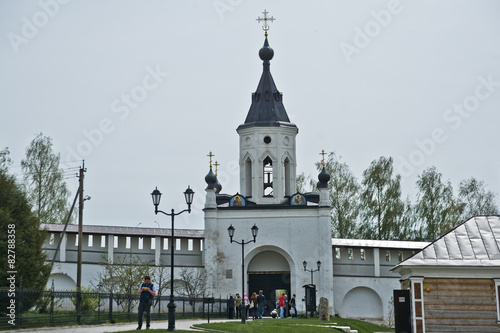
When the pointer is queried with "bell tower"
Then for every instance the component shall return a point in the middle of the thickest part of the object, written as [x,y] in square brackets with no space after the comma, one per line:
[267,140]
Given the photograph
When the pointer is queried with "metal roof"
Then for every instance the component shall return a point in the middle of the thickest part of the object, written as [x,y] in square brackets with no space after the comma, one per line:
[475,242]
[267,107]
[125,231]
[386,244]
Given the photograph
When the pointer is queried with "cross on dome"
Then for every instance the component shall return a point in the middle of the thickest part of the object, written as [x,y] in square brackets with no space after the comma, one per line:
[265,27]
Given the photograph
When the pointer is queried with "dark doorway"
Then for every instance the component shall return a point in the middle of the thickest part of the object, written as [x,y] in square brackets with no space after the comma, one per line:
[268,283]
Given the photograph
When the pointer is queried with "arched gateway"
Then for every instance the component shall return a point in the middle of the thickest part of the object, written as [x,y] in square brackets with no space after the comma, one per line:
[269,271]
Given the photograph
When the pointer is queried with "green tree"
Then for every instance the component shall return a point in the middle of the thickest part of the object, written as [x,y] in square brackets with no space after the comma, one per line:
[301,183]
[436,207]
[476,199]
[406,227]
[344,196]
[19,232]
[44,181]
[381,200]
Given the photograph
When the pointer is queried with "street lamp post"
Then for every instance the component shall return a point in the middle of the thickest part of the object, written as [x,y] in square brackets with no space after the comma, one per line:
[156,195]
[318,263]
[255,230]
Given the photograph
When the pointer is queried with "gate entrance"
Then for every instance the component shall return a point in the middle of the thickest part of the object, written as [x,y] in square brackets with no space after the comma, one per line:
[269,282]
[269,271]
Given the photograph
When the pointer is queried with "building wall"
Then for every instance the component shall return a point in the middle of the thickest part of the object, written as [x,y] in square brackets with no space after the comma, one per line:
[460,305]
[295,234]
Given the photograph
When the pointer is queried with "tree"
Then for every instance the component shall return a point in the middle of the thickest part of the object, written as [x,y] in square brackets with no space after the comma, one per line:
[44,181]
[476,199]
[344,197]
[19,232]
[381,200]
[192,283]
[301,182]
[161,279]
[407,227]
[436,207]
[123,277]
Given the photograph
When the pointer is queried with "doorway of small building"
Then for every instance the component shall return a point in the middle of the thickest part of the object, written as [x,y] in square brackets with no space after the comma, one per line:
[272,284]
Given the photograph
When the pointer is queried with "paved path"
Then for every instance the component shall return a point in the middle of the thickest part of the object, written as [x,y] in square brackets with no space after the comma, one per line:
[180,324]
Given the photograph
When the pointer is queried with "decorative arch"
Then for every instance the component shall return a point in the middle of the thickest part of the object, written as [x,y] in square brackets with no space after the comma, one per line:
[362,302]
[247,166]
[61,282]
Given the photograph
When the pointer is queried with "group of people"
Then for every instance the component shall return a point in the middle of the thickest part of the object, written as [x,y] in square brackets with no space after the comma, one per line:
[287,308]
[255,306]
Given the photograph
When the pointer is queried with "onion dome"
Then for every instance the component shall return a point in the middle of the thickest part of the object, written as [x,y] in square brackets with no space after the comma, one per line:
[323,178]
[211,180]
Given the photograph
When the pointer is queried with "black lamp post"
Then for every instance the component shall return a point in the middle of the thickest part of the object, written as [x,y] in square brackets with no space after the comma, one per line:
[318,263]
[311,270]
[255,230]
[156,195]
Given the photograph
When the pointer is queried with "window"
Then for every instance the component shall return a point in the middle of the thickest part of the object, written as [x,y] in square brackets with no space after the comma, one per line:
[153,243]
[76,240]
[115,242]
[103,241]
[91,240]
[165,243]
[201,245]
[177,244]
[349,253]
[140,246]
[52,239]
[362,254]
[337,253]
[190,245]
[127,242]
[248,177]
[268,177]
[387,255]
[286,166]
[400,256]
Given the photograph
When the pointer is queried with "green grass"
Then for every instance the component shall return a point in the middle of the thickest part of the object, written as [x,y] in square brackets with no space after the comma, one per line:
[294,325]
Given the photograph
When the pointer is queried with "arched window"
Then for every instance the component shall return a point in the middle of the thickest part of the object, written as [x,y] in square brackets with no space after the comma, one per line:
[248,177]
[268,177]
[287,179]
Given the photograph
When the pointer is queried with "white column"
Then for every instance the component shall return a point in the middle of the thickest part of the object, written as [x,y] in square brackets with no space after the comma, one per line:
[111,244]
[376,261]
[62,249]
[157,250]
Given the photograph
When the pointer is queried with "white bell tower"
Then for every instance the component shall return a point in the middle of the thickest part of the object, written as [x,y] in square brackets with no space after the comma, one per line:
[267,143]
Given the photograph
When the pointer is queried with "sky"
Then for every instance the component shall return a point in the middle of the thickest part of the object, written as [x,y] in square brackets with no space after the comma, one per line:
[144,90]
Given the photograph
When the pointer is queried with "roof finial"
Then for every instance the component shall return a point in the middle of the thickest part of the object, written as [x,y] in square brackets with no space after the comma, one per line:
[216,167]
[265,27]
[210,155]
[323,159]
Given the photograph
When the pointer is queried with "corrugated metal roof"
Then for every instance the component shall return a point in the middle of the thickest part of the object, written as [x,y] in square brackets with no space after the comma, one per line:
[475,242]
[125,231]
[386,244]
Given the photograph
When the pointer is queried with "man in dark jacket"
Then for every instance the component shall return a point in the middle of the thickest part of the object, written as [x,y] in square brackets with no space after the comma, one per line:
[261,303]
[147,290]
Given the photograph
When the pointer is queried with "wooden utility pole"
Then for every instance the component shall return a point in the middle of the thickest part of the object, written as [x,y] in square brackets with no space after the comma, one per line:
[80,242]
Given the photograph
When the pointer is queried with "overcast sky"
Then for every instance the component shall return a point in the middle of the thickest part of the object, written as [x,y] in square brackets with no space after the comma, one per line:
[144,90]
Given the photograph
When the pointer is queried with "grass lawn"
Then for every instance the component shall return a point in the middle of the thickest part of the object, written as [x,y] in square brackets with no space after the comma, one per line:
[294,325]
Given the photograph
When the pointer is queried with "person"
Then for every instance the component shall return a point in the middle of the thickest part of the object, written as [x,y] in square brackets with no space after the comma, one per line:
[237,304]
[253,306]
[261,303]
[282,305]
[230,306]
[247,304]
[293,307]
[146,291]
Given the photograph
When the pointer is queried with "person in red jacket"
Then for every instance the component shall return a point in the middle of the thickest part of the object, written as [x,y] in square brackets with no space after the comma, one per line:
[282,304]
